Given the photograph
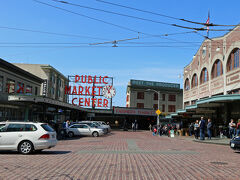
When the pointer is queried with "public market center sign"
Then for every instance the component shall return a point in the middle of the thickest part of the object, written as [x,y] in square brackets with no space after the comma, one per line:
[90,91]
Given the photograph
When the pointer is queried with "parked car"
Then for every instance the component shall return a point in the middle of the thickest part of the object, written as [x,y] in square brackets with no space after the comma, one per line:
[95,124]
[26,137]
[84,130]
[235,143]
[104,125]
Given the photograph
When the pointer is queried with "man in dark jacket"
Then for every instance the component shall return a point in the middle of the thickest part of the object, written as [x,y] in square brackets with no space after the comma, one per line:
[209,129]
[202,128]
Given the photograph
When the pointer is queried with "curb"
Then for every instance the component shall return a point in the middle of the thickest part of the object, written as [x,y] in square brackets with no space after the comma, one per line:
[206,142]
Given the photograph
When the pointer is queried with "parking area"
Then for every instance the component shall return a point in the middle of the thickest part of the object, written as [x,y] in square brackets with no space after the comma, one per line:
[124,155]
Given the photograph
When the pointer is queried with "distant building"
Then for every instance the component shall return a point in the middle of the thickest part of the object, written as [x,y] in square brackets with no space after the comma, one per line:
[54,81]
[16,81]
[144,94]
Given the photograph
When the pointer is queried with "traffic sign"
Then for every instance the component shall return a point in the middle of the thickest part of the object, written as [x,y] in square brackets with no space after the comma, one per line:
[158,112]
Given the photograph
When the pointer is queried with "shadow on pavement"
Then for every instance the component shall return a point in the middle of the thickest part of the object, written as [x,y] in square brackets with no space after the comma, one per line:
[36,153]
[51,152]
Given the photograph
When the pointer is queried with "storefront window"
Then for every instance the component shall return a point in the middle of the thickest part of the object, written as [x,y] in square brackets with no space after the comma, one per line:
[29,90]
[10,86]
[20,87]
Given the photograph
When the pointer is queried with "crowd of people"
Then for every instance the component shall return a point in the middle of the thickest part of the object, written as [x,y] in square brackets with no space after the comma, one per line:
[198,129]
[162,129]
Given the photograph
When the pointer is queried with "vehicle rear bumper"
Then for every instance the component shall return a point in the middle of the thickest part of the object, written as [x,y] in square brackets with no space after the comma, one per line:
[45,144]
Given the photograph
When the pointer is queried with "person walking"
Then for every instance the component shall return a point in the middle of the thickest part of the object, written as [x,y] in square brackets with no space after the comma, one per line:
[232,126]
[202,129]
[238,128]
[209,129]
[150,127]
[191,129]
[196,129]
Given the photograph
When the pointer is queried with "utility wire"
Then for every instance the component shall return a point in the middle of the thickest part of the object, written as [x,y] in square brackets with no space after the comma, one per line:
[109,23]
[111,12]
[99,20]
[158,14]
[50,33]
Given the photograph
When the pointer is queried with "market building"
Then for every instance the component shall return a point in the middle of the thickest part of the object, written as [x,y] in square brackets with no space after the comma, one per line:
[15,81]
[211,81]
[153,95]
[54,81]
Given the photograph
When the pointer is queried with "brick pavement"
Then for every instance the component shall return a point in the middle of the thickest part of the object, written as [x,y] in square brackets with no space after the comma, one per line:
[124,156]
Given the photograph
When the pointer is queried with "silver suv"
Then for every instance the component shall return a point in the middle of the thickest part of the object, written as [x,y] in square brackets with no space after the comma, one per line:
[84,130]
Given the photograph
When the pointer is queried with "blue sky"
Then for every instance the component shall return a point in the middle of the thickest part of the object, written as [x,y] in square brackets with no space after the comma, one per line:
[123,63]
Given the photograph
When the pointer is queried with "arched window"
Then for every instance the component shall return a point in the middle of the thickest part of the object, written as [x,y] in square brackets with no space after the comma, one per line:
[204,76]
[233,60]
[217,69]
[194,81]
[187,84]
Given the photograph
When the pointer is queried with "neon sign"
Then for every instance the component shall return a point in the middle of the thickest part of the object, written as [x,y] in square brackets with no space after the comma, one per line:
[90,91]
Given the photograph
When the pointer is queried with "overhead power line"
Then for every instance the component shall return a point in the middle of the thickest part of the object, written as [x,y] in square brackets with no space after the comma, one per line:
[105,22]
[163,15]
[50,33]
[111,12]
[99,20]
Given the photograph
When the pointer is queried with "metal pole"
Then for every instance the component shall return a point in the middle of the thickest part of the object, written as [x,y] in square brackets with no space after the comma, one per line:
[158,114]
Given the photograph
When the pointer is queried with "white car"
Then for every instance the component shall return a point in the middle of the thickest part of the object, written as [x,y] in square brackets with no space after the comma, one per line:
[100,124]
[26,137]
[84,130]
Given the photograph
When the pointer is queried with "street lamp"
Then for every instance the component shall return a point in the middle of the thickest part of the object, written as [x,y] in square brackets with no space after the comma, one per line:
[158,92]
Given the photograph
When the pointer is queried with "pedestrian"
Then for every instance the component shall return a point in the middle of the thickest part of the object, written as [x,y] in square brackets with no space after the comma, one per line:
[150,127]
[202,129]
[238,128]
[154,131]
[191,129]
[132,126]
[135,125]
[196,129]
[209,128]
[232,126]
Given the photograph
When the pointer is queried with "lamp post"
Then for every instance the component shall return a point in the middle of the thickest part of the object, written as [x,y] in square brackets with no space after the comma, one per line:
[158,92]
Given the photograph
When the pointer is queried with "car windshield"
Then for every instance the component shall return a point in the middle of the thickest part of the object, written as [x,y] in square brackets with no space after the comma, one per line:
[47,128]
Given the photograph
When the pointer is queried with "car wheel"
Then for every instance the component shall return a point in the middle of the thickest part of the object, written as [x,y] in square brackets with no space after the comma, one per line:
[25,147]
[95,134]
[70,134]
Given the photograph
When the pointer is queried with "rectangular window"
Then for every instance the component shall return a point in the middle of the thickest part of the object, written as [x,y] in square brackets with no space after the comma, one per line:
[218,68]
[10,86]
[140,105]
[155,96]
[163,97]
[171,108]
[163,107]
[20,88]
[171,97]
[36,91]
[1,83]
[205,75]
[29,90]
[140,95]
[52,90]
[155,106]
[53,78]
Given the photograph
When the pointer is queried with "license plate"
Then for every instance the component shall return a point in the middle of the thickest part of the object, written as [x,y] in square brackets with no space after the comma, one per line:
[232,145]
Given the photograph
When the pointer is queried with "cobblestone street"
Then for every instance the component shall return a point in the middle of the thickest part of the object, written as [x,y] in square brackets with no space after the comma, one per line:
[123,156]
